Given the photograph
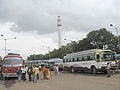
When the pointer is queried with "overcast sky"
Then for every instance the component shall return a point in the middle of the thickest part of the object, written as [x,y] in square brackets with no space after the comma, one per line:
[34,22]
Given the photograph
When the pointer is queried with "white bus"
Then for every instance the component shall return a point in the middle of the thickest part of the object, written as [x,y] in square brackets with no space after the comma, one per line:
[55,61]
[93,60]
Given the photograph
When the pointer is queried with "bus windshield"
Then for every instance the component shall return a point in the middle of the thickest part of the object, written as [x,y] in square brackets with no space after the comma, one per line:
[117,57]
[108,56]
[12,60]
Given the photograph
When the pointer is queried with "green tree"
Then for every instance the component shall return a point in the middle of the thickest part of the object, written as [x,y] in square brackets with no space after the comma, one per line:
[85,44]
[101,38]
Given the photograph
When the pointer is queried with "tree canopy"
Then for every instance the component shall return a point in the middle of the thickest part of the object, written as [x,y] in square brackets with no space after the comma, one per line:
[96,39]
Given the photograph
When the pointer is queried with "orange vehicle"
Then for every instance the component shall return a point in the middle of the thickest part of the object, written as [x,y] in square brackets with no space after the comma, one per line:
[11,64]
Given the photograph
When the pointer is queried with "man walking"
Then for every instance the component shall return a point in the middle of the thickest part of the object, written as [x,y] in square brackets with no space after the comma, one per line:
[0,72]
[108,70]
[56,69]
[19,72]
[36,73]
[23,73]
[29,71]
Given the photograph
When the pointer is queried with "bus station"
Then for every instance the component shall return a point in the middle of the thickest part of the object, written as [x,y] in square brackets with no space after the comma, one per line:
[59,44]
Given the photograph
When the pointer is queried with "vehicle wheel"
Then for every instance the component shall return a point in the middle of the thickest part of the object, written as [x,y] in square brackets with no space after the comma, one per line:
[72,69]
[5,78]
[93,70]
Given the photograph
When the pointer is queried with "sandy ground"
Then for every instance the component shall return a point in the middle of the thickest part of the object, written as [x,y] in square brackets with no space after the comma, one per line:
[66,81]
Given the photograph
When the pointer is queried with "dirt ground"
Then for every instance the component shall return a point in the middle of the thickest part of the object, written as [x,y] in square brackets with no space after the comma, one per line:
[66,81]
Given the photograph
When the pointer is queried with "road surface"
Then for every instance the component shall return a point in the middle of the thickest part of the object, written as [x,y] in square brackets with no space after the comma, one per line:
[66,81]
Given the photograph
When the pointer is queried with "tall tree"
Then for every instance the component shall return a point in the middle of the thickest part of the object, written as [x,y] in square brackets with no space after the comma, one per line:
[102,38]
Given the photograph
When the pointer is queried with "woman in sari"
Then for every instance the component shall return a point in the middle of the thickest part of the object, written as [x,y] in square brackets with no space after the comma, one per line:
[47,73]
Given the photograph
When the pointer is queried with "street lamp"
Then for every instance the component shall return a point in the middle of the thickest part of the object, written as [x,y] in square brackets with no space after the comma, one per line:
[6,42]
[69,46]
[68,40]
[117,35]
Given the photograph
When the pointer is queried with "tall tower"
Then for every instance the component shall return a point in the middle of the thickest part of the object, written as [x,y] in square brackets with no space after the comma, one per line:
[59,25]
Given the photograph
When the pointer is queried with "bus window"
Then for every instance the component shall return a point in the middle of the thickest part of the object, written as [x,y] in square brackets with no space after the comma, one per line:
[69,60]
[73,60]
[108,56]
[91,57]
[88,57]
[77,59]
[63,60]
[82,58]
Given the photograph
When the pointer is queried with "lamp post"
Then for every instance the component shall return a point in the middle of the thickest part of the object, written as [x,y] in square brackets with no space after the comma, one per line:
[69,46]
[6,42]
[117,35]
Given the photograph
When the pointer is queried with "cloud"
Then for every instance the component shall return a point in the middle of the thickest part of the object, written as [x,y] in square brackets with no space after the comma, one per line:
[41,15]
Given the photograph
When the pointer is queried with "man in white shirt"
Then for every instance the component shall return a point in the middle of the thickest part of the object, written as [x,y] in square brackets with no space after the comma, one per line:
[56,69]
[23,73]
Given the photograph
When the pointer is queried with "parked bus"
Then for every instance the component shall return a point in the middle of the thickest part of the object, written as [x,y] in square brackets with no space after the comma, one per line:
[117,58]
[93,60]
[35,62]
[10,65]
[55,61]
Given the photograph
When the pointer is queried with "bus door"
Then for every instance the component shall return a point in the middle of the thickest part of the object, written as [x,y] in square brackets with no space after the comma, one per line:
[98,59]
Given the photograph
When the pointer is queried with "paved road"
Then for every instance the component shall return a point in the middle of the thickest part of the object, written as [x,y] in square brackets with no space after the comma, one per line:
[66,81]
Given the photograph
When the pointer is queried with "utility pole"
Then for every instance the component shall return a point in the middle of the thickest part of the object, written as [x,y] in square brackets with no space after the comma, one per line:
[5,39]
[117,35]
[59,25]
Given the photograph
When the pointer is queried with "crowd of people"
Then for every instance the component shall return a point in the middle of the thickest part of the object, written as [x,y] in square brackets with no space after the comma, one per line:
[33,72]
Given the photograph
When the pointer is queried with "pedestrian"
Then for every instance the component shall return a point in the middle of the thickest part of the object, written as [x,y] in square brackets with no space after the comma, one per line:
[30,72]
[1,77]
[56,69]
[19,73]
[43,71]
[23,73]
[47,73]
[35,73]
[61,68]
[108,70]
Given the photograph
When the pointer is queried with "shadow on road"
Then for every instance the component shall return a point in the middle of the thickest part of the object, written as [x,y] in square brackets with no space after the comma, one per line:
[8,82]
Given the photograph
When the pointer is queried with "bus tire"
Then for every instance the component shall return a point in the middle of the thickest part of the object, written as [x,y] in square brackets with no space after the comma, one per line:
[72,69]
[5,78]
[93,70]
